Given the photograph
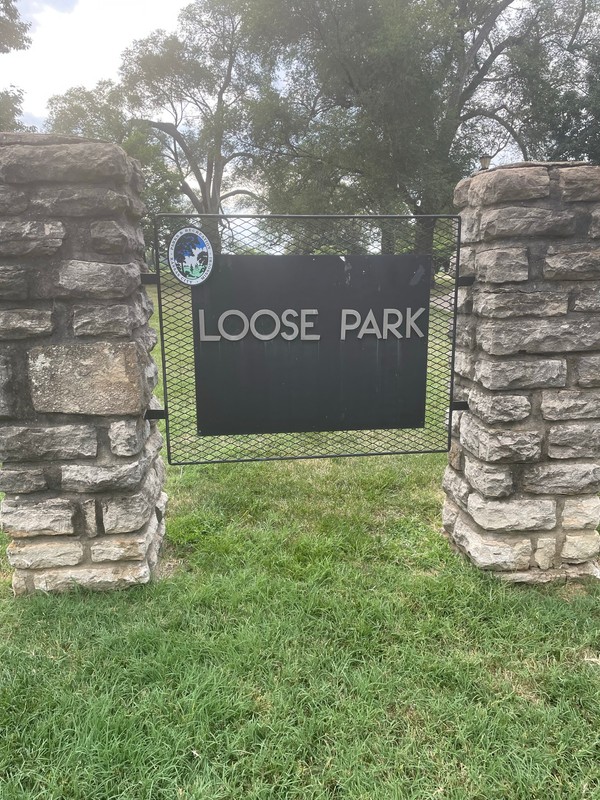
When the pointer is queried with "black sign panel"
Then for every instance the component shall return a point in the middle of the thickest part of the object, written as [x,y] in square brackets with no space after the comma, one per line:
[311,343]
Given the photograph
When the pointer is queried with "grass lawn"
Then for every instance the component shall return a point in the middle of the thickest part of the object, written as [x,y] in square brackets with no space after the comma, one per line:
[315,638]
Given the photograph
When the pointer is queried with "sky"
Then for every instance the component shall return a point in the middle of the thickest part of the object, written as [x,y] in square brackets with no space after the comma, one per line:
[77,43]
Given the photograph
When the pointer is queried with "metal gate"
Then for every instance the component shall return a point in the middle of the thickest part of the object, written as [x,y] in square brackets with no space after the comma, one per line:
[437,237]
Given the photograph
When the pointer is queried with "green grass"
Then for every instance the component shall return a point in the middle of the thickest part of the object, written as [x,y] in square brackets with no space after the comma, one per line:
[315,638]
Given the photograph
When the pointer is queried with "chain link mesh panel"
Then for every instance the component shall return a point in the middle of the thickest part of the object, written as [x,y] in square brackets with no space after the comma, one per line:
[437,236]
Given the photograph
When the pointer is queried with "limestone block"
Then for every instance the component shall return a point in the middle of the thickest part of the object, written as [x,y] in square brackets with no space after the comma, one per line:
[464,337]
[24,443]
[13,282]
[96,378]
[492,408]
[152,375]
[450,512]
[456,487]
[89,478]
[586,299]
[90,517]
[570,404]
[79,201]
[545,552]
[561,478]
[502,265]
[147,337]
[22,481]
[512,514]
[574,440]
[132,512]
[489,552]
[463,364]
[579,264]
[54,517]
[113,237]
[588,371]
[40,555]
[503,186]
[469,231]
[64,163]
[595,224]
[12,201]
[580,547]
[41,139]
[499,444]
[461,193]
[128,436]
[460,392]
[97,577]
[7,394]
[521,373]
[18,238]
[488,480]
[455,422]
[566,572]
[455,456]
[97,280]
[467,262]
[504,337]
[519,303]
[155,547]
[113,320]
[99,478]
[119,548]
[580,183]
[515,221]
[21,323]
[580,513]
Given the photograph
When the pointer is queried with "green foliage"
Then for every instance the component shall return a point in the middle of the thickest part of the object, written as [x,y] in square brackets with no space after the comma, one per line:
[13,31]
[13,36]
[200,79]
[574,124]
[11,103]
[414,92]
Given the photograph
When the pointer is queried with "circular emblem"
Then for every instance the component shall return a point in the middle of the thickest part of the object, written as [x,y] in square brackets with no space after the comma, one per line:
[190,256]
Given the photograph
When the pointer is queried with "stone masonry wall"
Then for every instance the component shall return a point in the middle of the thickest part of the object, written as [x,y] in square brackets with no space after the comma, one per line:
[524,467]
[81,469]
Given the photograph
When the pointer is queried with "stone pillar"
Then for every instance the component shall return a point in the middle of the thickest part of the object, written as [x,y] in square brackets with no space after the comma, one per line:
[81,467]
[524,467]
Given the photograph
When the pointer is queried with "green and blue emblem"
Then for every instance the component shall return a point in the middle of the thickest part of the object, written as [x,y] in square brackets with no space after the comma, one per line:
[190,256]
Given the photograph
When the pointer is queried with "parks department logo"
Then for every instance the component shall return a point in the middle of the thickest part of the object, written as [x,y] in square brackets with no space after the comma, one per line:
[190,256]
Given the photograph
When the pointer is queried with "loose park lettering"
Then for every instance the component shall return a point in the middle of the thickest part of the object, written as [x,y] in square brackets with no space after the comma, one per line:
[350,354]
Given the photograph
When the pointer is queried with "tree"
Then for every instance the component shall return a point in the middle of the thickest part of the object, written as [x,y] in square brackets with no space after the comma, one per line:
[415,90]
[574,118]
[13,31]
[192,90]
[13,36]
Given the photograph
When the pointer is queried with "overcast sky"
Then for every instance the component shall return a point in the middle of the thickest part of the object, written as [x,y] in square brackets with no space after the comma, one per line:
[77,43]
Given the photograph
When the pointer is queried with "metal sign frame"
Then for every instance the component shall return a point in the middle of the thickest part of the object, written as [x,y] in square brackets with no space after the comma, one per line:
[342,235]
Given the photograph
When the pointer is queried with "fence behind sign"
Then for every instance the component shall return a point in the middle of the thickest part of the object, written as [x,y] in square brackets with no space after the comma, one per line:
[433,237]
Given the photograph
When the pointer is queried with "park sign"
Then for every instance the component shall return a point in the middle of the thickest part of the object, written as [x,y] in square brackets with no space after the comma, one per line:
[296,343]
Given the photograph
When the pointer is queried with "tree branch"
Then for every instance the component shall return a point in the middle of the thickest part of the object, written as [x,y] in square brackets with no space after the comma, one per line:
[171,130]
[484,112]
[246,192]
[578,24]
[487,28]
[469,90]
